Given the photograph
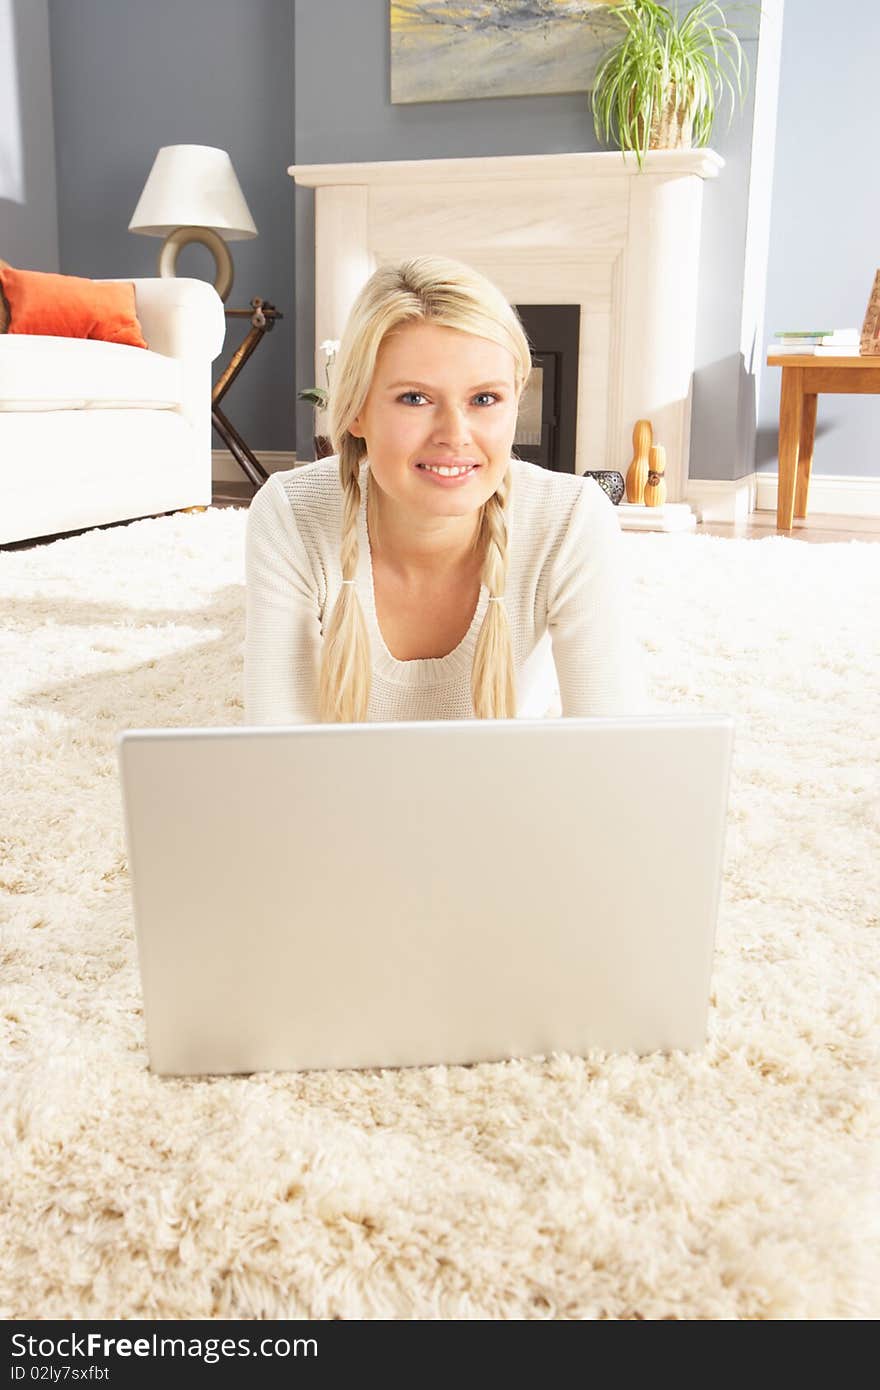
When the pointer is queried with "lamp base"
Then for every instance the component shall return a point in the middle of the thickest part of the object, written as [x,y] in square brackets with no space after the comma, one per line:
[205,236]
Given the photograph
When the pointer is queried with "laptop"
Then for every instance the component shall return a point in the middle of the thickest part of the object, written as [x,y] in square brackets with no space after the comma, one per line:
[421,893]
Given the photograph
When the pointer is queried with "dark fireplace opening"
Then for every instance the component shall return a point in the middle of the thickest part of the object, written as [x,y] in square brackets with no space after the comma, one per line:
[547,420]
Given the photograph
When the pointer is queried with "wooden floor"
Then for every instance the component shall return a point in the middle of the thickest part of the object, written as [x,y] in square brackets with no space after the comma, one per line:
[815,529]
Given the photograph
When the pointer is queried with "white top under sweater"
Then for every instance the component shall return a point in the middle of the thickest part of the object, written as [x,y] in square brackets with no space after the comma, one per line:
[567,598]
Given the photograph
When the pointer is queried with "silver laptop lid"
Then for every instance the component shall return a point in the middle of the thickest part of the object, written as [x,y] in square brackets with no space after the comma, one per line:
[378,895]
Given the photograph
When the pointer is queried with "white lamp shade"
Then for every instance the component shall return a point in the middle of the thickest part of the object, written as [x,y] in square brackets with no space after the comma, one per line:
[193,186]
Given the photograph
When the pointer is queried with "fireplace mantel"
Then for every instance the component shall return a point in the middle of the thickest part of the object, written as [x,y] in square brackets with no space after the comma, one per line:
[604,164]
[588,229]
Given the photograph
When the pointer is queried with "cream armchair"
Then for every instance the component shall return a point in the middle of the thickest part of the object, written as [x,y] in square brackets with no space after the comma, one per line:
[94,432]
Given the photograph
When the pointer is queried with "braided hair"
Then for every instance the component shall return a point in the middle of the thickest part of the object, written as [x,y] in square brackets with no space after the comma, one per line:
[438,290]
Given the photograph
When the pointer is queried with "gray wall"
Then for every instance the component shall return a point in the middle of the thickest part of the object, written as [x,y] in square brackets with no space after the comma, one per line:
[824,239]
[28,212]
[346,42]
[129,78]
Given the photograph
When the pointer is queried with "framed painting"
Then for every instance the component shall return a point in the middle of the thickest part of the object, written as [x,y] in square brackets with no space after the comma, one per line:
[442,50]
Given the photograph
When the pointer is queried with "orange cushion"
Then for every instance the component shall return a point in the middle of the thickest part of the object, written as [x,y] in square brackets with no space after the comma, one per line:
[68,306]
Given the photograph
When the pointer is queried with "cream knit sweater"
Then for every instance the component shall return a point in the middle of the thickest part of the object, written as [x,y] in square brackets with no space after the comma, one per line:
[567,601]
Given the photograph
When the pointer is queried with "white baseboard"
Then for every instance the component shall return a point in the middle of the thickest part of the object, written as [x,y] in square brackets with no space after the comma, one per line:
[735,500]
[224,468]
[829,496]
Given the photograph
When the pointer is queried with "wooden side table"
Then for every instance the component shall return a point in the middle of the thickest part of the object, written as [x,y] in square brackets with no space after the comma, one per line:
[263,317]
[804,378]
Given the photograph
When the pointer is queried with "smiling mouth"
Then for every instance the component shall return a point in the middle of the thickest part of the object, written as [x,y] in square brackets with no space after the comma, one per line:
[448,470]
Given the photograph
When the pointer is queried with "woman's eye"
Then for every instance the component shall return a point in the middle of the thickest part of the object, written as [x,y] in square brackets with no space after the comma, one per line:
[481,395]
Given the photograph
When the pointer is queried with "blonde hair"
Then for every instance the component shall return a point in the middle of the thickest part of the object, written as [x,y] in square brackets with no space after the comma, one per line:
[437,290]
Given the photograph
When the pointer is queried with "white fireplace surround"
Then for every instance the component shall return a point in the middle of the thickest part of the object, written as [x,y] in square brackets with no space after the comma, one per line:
[586,229]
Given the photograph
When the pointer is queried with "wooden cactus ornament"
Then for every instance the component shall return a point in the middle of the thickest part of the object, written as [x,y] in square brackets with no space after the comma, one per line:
[637,473]
[655,487]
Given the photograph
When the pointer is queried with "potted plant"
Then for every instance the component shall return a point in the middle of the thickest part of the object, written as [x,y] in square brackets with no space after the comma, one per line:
[661,85]
[319,396]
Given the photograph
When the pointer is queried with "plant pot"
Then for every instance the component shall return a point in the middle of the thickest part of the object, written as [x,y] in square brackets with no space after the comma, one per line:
[671,125]
[323,446]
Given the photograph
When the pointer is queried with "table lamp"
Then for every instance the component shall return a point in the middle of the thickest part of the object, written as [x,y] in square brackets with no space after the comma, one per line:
[192,195]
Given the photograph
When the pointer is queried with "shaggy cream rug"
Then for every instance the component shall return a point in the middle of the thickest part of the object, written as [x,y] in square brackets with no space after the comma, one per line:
[740,1182]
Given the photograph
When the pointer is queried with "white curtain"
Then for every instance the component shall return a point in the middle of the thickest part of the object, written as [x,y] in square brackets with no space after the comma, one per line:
[11,155]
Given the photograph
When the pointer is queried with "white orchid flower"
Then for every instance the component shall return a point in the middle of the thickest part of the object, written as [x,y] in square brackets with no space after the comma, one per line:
[330,347]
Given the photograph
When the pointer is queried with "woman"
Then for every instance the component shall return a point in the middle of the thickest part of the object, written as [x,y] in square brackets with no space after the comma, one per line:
[424,571]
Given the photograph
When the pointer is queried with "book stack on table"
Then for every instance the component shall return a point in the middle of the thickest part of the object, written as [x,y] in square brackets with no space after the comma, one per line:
[669,516]
[819,342]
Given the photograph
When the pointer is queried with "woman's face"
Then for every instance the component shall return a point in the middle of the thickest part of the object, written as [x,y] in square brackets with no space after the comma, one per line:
[439,397]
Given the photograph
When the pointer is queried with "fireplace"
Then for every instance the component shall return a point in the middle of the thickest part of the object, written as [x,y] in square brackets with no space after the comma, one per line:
[547,423]
[592,232]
